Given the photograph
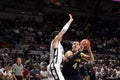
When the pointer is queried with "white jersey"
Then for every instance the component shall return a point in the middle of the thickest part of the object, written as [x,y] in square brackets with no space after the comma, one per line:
[56,54]
[53,69]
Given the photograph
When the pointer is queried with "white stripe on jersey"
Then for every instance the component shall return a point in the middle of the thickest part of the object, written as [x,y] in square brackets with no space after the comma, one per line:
[53,69]
[56,54]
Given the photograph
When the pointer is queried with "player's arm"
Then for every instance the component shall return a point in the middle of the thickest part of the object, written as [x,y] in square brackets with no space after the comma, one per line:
[67,55]
[70,57]
[89,57]
[62,32]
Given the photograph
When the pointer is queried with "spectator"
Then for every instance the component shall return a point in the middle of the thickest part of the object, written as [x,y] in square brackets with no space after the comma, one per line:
[1,76]
[18,69]
[34,73]
[26,73]
[44,74]
[8,73]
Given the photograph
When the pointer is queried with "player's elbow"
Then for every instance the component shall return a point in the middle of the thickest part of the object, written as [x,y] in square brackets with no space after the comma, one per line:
[89,59]
[92,59]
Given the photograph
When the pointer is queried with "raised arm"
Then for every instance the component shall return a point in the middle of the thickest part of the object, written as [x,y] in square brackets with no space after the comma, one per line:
[62,32]
[89,57]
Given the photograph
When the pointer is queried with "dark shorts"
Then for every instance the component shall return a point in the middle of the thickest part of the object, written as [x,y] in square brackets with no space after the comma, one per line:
[73,77]
[19,77]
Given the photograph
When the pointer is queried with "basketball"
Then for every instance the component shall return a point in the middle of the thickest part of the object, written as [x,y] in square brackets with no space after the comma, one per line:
[85,43]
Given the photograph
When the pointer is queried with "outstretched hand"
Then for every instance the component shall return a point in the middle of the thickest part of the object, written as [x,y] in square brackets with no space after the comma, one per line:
[70,17]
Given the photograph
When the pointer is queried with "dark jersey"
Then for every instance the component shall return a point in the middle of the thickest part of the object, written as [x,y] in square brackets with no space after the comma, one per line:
[71,67]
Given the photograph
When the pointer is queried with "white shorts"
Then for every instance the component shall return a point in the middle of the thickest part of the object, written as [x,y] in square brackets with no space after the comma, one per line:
[54,72]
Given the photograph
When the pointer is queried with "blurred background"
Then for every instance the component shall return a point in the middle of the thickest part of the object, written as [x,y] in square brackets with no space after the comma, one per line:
[26,27]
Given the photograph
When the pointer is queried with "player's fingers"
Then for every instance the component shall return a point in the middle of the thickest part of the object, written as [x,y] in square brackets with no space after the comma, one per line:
[70,16]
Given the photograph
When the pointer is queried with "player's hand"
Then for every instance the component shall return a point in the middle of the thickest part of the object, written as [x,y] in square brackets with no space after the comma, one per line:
[70,17]
[65,59]
[88,48]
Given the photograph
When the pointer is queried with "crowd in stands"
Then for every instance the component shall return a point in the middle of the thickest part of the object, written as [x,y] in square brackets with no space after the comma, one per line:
[103,68]
[30,35]
[103,34]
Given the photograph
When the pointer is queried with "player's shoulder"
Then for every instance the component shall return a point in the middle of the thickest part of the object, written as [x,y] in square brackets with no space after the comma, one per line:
[68,53]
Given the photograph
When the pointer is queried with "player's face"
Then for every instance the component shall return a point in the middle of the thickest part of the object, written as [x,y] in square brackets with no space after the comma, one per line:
[75,45]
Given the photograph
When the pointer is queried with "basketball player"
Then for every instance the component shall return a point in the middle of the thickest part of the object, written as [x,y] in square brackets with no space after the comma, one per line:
[56,53]
[72,60]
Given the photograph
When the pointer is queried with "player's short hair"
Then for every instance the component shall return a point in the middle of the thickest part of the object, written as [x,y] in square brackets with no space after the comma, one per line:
[54,34]
[75,41]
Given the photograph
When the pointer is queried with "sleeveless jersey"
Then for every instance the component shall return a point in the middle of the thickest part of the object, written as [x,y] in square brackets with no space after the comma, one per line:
[71,67]
[53,69]
[56,54]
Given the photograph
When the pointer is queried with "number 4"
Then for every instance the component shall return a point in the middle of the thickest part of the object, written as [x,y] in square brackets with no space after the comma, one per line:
[75,65]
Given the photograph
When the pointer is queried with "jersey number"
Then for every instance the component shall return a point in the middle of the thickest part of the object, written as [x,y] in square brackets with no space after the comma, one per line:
[75,65]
